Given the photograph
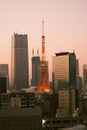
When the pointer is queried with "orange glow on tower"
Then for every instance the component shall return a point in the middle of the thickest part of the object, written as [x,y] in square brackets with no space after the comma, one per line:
[43,84]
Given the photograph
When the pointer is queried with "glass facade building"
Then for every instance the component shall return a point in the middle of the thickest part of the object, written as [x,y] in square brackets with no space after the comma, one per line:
[19,61]
[64,69]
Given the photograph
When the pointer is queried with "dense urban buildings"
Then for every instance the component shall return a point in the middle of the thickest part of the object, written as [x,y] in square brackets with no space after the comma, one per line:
[18,99]
[24,107]
[19,61]
[64,70]
[85,77]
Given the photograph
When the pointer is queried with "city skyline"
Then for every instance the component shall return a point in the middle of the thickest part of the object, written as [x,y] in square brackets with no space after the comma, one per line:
[65,27]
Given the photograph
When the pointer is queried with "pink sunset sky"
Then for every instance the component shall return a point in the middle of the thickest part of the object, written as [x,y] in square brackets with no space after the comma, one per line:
[65,27]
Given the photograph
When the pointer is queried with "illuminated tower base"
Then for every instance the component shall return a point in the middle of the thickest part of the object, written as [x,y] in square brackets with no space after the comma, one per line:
[44,85]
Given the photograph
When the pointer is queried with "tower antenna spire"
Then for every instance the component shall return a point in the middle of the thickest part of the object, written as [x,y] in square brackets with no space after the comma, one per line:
[43,42]
[43,27]
[33,52]
[37,52]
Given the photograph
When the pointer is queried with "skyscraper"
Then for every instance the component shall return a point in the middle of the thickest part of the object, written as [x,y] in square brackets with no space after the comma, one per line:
[64,69]
[85,76]
[19,61]
[35,70]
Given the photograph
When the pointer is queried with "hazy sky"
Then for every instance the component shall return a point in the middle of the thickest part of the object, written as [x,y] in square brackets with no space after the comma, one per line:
[65,26]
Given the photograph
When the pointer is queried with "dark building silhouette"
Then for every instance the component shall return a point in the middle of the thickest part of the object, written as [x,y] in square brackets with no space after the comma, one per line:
[35,71]
[3,84]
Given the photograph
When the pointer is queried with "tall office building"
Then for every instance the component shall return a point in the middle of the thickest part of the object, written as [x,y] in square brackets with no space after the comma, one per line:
[64,70]
[4,77]
[19,61]
[35,70]
[85,76]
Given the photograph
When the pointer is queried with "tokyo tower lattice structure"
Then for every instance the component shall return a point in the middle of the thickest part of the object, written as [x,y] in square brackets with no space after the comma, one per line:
[43,84]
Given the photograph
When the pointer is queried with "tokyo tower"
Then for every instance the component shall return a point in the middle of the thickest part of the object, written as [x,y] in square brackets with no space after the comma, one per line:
[43,85]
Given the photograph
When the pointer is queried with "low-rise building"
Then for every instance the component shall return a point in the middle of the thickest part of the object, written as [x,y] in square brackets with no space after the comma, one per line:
[18,99]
